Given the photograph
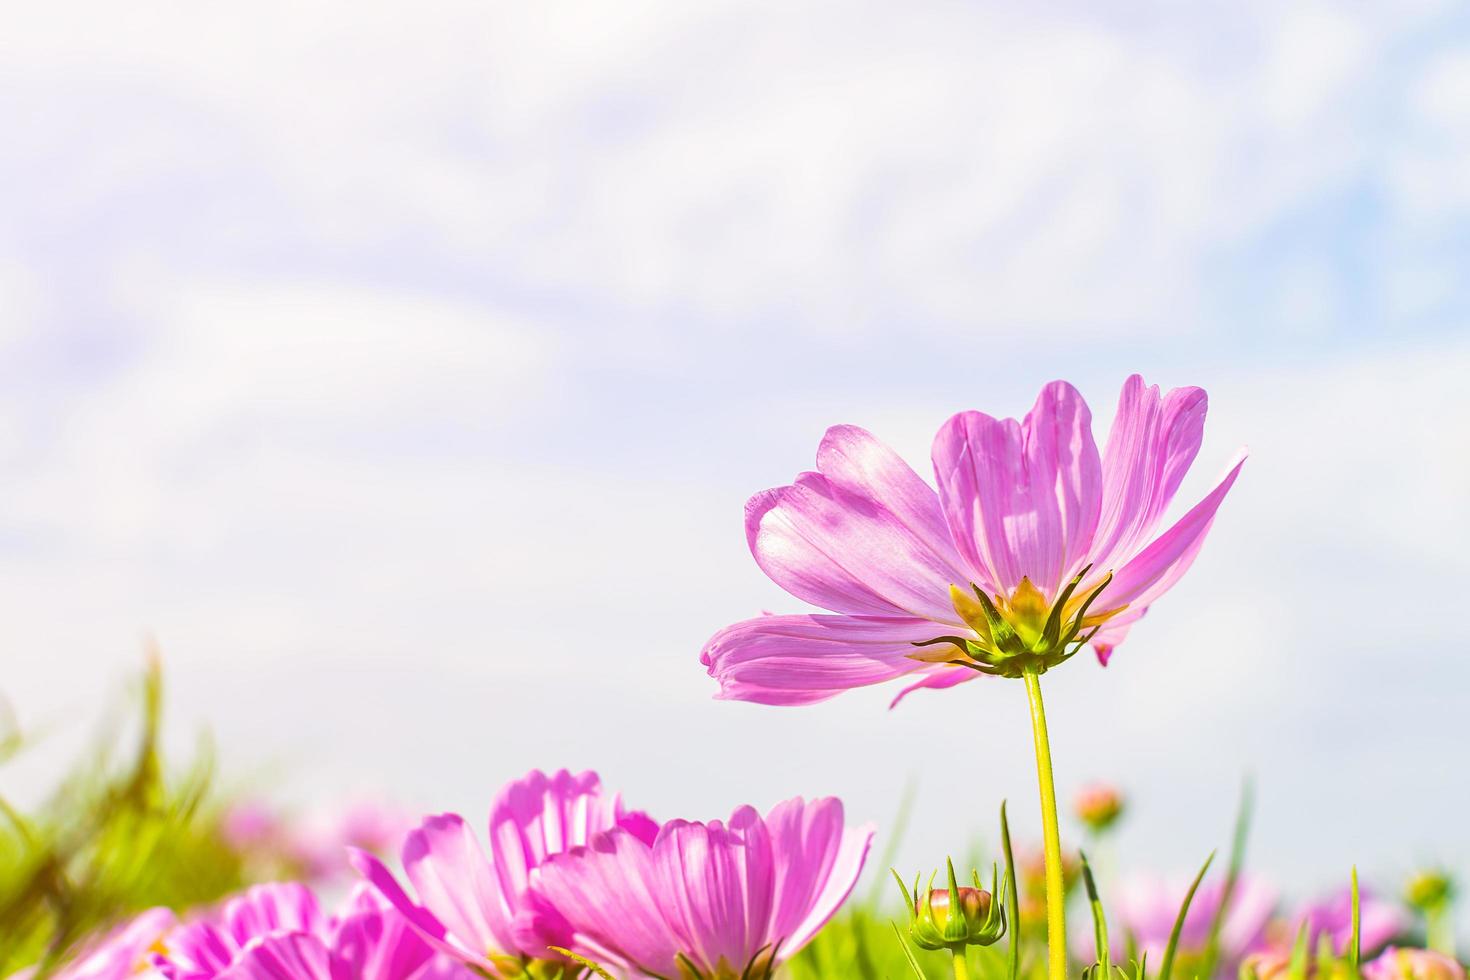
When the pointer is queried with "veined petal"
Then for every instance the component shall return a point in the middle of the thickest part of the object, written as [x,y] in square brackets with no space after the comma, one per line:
[429,928]
[285,956]
[805,659]
[1114,632]
[273,907]
[540,815]
[379,944]
[1156,568]
[457,885]
[818,860]
[936,680]
[717,884]
[854,460]
[1021,498]
[1150,447]
[609,892]
[861,536]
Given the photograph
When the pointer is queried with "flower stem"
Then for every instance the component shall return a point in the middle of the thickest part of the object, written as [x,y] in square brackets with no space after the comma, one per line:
[961,965]
[1056,915]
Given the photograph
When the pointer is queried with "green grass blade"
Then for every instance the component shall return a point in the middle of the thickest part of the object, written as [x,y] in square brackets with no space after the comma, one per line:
[1232,877]
[1168,965]
[1099,920]
[908,954]
[1013,900]
[1355,944]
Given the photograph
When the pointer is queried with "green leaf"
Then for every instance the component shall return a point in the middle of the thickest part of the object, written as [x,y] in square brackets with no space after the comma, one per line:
[1013,900]
[1168,965]
[1355,944]
[908,954]
[1099,920]
[1232,877]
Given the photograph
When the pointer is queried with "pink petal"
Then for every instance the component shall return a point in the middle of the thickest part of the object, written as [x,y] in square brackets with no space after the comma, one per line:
[274,907]
[855,461]
[937,680]
[429,928]
[805,659]
[1156,568]
[457,885]
[1150,447]
[1106,640]
[717,885]
[537,816]
[379,944]
[609,892]
[818,861]
[285,956]
[861,536]
[1021,498]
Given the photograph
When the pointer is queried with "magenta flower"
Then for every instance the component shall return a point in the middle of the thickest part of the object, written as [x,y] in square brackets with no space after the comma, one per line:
[279,931]
[704,900]
[208,946]
[1033,545]
[474,907]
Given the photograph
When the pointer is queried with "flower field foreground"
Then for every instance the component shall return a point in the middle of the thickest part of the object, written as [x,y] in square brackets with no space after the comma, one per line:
[1033,544]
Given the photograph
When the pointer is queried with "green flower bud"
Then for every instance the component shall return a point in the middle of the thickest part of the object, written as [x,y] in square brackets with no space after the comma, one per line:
[954,917]
[1429,890]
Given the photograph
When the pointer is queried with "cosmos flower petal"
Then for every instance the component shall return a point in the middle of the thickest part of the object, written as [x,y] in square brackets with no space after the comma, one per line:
[1022,498]
[456,883]
[805,659]
[609,892]
[1152,442]
[860,536]
[820,859]
[937,679]
[285,956]
[1157,567]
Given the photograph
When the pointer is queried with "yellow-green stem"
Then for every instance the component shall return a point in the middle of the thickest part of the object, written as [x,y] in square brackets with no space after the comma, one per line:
[961,965]
[1056,913]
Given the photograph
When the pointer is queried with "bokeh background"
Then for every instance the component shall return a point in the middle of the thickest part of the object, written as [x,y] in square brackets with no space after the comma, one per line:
[403,369]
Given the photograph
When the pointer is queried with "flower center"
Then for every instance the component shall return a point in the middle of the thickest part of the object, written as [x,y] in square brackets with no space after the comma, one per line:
[1021,631]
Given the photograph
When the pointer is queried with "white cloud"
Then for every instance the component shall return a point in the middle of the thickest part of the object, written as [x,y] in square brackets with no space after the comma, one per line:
[974,167]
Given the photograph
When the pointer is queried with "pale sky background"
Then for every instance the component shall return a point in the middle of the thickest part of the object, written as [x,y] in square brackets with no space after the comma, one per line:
[404,369]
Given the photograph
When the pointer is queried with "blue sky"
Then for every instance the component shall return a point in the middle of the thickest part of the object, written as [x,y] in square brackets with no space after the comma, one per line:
[405,375]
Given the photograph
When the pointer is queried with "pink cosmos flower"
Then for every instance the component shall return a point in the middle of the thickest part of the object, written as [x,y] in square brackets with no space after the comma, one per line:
[474,908]
[278,932]
[1379,922]
[1144,908]
[1034,544]
[704,900]
[1413,964]
[118,955]
[320,846]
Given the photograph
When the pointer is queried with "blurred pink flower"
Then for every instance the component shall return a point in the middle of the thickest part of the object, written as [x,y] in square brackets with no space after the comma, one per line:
[320,846]
[251,824]
[278,931]
[1413,964]
[1022,508]
[1379,922]
[474,908]
[119,954]
[723,899]
[1144,908]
